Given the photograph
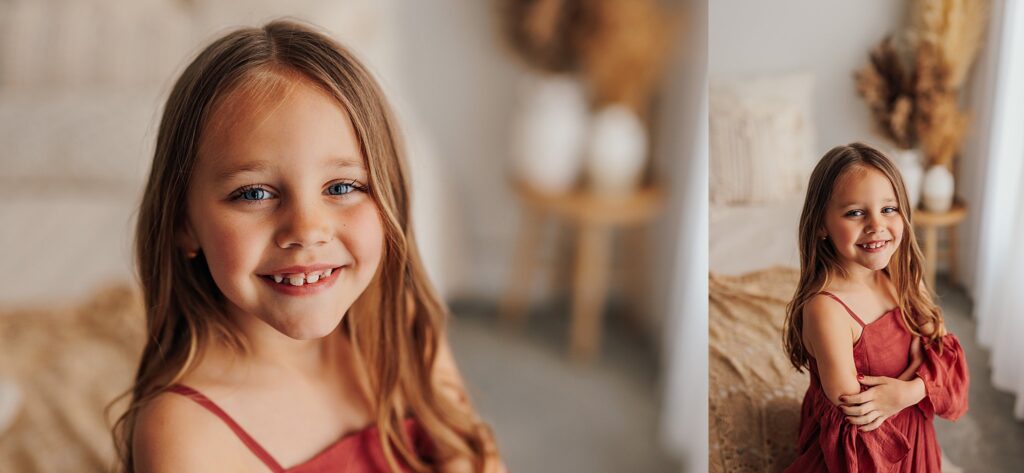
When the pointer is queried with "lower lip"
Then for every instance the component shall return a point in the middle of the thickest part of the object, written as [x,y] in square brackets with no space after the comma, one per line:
[874,250]
[305,289]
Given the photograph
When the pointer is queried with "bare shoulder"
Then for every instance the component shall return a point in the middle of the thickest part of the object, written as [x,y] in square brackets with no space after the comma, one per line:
[826,324]
[174,433]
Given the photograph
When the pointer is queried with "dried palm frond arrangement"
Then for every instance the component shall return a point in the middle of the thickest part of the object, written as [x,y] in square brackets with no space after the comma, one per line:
[912,83]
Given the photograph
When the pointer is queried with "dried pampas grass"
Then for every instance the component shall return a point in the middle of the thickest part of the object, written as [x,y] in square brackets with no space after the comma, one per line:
[619,47]
[542,32]
[938,120]
[916,103]
[948,36]
[956,27]
[885,84]
[623,46]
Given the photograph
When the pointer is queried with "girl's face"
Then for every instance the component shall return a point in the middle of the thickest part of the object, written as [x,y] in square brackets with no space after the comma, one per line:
[863,219]
[280,209]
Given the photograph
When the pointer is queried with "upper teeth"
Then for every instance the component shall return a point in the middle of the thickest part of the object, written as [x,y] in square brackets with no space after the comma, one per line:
[302,278]
[877,244]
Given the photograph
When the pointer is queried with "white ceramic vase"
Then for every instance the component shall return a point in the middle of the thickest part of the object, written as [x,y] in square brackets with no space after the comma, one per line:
[938,189]
[910,164]
[616,151]
[549,133]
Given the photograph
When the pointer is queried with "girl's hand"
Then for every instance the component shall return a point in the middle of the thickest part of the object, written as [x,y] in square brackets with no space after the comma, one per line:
[916,358]
[885,398]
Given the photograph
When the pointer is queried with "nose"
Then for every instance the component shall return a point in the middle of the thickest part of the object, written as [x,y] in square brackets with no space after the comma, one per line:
[304,224]
[874,224]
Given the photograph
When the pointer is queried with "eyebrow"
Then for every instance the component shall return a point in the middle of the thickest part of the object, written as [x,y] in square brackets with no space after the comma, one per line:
[884,201]
[260,166]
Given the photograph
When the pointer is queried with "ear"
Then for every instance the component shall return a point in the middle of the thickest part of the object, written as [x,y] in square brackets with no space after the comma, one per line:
[186,240]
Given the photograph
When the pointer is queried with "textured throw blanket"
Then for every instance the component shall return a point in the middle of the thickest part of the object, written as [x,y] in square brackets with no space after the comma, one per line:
[69,363]
[755,393]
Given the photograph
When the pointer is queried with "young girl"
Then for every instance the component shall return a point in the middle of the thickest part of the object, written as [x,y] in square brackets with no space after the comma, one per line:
[861,321]
[291,326]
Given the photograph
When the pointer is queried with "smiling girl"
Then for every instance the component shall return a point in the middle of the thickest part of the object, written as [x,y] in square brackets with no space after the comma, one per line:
[862,323]
[290,324]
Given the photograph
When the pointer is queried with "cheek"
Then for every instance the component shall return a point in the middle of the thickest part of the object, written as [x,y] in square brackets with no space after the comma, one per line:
[227,242]
[364,234]
[841,232]
[897,231]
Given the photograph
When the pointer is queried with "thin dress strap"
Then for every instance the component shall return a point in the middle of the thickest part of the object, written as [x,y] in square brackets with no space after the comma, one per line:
[859,321]
[249,442]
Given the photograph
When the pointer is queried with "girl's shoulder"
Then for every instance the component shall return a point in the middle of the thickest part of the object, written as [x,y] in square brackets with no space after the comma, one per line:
[174,433]
[825,306]
[827,324]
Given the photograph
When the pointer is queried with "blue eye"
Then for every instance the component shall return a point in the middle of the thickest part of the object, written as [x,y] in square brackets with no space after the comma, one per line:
[340,188]
[343,188]
[855,213]
[252,194]
[890,210]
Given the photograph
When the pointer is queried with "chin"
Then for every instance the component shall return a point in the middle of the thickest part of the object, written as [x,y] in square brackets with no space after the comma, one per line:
[307,328]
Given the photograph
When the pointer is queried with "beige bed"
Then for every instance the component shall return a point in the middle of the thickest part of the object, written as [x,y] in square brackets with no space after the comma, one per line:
[68,362]
[755,394]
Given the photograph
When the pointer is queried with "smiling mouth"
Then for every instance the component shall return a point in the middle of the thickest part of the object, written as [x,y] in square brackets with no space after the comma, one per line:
[301,279]
[874,245]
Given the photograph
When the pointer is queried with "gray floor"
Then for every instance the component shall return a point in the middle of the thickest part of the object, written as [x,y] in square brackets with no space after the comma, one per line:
[987,438]
[552,415]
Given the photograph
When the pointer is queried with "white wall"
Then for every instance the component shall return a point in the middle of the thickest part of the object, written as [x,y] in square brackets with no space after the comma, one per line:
[460,80]
[829,38]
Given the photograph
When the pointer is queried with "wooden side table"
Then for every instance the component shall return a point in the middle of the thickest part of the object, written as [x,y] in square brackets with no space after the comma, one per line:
[931,223]
[594,217]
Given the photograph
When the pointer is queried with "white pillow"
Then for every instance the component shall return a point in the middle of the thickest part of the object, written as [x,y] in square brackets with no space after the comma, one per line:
[761,138]
[101,138]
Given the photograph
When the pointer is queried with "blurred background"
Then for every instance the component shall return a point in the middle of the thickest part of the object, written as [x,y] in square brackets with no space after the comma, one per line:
[558,153]
[937,85]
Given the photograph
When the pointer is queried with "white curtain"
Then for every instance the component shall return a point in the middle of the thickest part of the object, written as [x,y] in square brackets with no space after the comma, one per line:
[685,421]
[684,426]
[999,278]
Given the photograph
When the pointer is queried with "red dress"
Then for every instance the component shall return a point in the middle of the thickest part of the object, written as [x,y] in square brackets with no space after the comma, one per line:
[359,452]
[905,442]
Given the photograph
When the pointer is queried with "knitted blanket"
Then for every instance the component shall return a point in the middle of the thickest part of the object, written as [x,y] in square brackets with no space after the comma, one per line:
[69,363]
[755,394]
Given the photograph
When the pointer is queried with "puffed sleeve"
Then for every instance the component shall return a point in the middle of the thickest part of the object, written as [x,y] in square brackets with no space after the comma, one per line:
[845,449]
[946,380]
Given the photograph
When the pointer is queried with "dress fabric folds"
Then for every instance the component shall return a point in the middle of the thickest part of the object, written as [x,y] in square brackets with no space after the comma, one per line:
[905,442]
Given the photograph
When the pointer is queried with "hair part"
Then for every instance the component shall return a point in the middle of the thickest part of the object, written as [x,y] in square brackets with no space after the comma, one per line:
[395,326]
[820,261]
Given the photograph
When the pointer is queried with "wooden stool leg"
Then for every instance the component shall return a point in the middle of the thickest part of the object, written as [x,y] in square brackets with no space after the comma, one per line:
[931,236]
[637,270]
[591,285]
[517,292]
[954,266]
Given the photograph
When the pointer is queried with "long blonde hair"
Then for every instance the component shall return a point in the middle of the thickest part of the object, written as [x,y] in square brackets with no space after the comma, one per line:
[396,325]
[819,259]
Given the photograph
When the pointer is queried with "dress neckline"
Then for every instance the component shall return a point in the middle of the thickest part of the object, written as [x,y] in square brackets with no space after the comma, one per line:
[255,446]
[864,327]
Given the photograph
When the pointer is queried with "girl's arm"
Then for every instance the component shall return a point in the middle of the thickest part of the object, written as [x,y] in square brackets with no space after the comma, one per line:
[887,396]
[829,338]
